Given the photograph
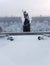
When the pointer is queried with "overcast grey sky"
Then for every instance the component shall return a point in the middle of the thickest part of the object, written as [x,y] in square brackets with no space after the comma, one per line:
[33,7]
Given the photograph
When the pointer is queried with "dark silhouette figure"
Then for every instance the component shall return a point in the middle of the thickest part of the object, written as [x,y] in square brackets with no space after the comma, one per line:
[26,26]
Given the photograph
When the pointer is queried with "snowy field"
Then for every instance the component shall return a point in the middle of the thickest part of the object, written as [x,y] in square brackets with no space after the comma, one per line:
[25,50]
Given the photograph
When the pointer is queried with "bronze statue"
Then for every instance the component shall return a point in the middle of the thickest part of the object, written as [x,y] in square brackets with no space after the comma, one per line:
[26,26]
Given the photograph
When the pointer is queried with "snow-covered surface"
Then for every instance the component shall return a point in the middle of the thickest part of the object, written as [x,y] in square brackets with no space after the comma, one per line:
[25,50]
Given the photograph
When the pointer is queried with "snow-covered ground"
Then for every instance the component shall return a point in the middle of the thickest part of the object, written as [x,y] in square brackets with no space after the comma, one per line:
[25,50]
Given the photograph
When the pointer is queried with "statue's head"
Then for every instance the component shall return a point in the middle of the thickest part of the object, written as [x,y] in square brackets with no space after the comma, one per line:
[25,14]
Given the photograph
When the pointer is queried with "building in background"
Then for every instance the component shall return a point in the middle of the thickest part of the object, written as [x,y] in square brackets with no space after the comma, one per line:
[14,24]
[40,24]
[10,24]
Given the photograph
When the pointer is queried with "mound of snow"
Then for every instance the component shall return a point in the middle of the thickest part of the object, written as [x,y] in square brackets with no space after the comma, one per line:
[24,50]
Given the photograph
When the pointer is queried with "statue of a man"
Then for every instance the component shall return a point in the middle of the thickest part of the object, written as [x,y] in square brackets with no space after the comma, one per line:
[26,26]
